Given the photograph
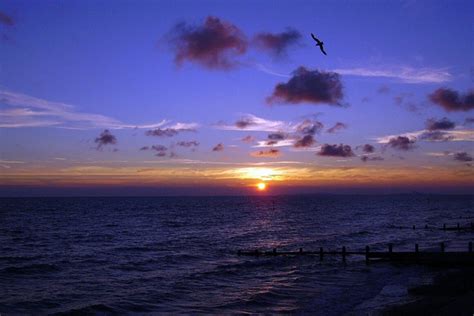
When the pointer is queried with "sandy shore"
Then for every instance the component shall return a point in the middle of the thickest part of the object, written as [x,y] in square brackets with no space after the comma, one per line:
[452,293]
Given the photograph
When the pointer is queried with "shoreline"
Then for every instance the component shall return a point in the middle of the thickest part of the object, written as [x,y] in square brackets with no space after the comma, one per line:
[450,293]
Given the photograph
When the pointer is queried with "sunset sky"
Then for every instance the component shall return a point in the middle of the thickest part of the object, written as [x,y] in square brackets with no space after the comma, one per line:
[214,97]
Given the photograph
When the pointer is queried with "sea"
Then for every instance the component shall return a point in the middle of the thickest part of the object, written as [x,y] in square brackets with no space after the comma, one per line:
[179,255]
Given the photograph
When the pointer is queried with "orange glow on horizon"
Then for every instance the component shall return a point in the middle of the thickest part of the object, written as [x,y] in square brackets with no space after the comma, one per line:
[261,186]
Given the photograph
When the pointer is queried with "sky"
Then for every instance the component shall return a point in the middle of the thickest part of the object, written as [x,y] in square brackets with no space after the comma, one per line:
[215,97]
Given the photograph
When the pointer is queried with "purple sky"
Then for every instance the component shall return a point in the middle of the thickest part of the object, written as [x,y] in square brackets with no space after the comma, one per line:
[225,94]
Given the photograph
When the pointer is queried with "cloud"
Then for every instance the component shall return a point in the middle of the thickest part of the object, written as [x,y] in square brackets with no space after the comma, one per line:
[212,45]
[335,150]
[248,139]
[371,158]
[466,135]
[405,74]
[274,143]
[451,100]
[401,143]
[250,122]
[462,156]
[442,124]
[188,144]
[271,153]
[218,147]
[6,20]
[469,121]
[145,148]
[309,86]
[305,141]
[105,138]
[309,127]
[172,130]
[277,43]
[368,148]
[436,136]
[21,110]
[276,136]
[337,127]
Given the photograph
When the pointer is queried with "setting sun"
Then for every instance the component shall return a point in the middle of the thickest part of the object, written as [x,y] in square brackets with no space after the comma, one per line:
[261,186]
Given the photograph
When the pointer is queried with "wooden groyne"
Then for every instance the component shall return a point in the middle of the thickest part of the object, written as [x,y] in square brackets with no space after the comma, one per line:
[441,257]
[457,227]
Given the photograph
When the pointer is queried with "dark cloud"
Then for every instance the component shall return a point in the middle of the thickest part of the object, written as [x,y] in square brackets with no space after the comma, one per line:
[368,148]
[436,136]
[245,122]
[337,127]
[335,150]
[462,156]
[145,148]
[105,138]
[305,141]
[469,121]
[452,101]
[160,150]
[371,158]
[167,132]
[309,127]
[311,86]
[277,43]
[213,44]
[271,142]
[383,89]
[218,147]
[401,143]
[6,20]
[271,153]
[248,139]
[442,124]
[188,144]
[276,136]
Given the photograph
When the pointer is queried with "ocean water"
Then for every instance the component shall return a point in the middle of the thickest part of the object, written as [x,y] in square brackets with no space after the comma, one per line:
[179,254]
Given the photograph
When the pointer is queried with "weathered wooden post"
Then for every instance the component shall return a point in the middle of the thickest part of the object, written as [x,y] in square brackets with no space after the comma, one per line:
[366,254]
[274,251]
[301,250]
[343,253]
[416,248]
[470,246]
[444,226]
[239,252]
[390,248]
[442,247]
[458,227]
[413,226]
[472,225]
[426,226]
[321,253]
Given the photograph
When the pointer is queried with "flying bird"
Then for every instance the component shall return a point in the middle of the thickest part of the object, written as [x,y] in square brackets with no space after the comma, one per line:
[319,43]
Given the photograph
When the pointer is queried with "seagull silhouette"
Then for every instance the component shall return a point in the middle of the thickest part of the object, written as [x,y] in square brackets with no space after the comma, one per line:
[319,43]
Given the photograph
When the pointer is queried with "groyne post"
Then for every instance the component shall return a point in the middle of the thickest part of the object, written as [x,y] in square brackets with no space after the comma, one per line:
[321,253]
[470,246]
[442,247]
[390,248]
[344,253]
[367,254]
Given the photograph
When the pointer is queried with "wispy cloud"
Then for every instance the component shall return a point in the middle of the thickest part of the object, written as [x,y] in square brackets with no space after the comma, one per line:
[250,122]
[466,135]
[404,73]
[21,110]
